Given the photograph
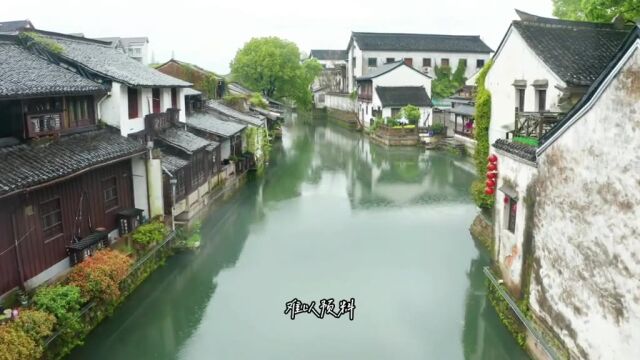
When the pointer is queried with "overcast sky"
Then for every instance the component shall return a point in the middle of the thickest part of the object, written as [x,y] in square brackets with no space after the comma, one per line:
[208,33]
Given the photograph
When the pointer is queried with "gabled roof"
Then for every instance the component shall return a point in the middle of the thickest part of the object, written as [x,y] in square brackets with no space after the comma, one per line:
[14,26]
[27,165]
[217,106]
[173,163]
[212,123]
[420,42]
[189,65]
[102,59]
[184,140]
[385,68]
[25,74]
[403,95]
[328,54]
[631,43]
[575,51]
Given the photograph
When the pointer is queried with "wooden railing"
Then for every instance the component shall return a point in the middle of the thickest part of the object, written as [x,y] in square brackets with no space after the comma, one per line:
[43,124]
[535,124]
[157,122]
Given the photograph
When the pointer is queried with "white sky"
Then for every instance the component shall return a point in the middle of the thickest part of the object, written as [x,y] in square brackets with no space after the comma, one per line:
[208,33]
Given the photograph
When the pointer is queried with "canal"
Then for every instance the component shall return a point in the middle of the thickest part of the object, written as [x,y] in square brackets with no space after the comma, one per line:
[333,217]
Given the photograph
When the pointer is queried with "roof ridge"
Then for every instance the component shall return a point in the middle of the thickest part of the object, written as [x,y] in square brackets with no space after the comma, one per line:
[72,37]
[421,34]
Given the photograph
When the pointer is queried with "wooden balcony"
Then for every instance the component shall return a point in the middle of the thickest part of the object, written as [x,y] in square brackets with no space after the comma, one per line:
[534,124]
[157,122]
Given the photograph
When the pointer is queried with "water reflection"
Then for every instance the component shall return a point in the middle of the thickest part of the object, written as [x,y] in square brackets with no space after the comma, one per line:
[333,216]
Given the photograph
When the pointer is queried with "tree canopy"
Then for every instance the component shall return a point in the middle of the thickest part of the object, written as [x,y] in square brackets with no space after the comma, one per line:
[596,10]
[446,83]
[272,66]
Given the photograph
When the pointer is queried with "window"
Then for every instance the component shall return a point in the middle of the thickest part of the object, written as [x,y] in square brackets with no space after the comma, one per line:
[110,193]
[353,62]
[180,188]
[174,98]
[512,208]
[155,100]
[395,111]
[520,99]
[372,62]
[408,61]
[479,63]
[426,62]
[132,98]
[542,100]
[444,62]
[78,112]
[51,215]
[389,60]
[198,168]
[462,62]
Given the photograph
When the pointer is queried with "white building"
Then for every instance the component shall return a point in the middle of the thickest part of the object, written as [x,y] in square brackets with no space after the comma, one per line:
[382,93]
[136,47]
[368,51]
[333,79]
[541,67]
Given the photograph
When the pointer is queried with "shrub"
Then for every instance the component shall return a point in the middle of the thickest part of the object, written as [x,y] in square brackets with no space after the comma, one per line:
[35,323]
[235,101]
[63,302]
[411,113]
[437,129]
[150,233]
[17,345]
[99,276]
[258,101]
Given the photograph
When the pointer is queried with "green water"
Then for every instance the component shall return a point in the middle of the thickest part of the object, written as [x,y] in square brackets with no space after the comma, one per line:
[333,217]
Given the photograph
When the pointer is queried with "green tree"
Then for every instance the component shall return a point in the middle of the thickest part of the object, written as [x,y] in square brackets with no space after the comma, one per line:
[596,10]
[272,66]
[446,83]
[412,113]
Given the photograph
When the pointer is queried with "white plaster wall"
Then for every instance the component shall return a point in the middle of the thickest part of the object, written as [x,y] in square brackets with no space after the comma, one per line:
[139,178]
[436,58]
[225,149]
[154,186]
[508,250]
[181,105]
[403,76]
[340,102]
[587,226]
[111,106]
[354,52]
[516,61]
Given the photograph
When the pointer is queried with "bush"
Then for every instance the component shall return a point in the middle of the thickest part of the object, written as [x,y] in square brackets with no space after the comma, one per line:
[150,233]
[35,323]
[17,345]
[258,101]
[411,113]
[63,302]
[99,277]
[235,101]
[437,129]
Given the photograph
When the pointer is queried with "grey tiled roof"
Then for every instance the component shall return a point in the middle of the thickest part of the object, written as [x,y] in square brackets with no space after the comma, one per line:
[255,120]
[107,61]
[329,54]
[575,51]
[381,70]
[420,42]
[26,165]
[522,151]
[172,163]
[403,95]
[213,124]
[24,74]
[12,26]
[183,140]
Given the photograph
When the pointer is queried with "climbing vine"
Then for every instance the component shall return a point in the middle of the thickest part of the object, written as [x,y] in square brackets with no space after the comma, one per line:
[482,120]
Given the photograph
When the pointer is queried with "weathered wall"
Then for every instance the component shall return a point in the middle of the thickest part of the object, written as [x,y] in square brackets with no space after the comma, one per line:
[516,174]
[516,61]
[587,226]
[340,102]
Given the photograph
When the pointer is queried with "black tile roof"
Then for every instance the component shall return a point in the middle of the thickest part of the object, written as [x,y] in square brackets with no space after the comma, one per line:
[184,140]
[26,165]
[212,123]
[403,95]
[16,25]
[173,163]
[25,74]
[231,113]
[420,42]
[575,51]
[381,70]
[101,58]
[522,151]
[329,54]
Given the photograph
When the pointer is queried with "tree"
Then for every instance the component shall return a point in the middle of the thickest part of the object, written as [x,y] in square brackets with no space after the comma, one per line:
[272,66]
[596,10]
[446,83]
[411,113]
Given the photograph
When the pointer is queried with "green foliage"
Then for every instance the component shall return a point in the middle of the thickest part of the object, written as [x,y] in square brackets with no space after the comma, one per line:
[17,345]
[99,276]
[446,83]
[272,65]
[35,323]
[235,101]
[437,129]
[150,233]
[379,121]
[481,134]
[31,38]
[531,141]
[506,315]
[596,10]
[411,113]
[258,101]
[63,302]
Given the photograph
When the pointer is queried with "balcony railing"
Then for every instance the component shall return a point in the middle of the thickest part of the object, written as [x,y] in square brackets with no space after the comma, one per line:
[157,122]
[535,124]
[43,124]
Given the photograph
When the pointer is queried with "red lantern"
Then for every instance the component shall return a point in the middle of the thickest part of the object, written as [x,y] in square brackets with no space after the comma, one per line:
[493,158]
[489,191]
[492,175]
[506,199]
[492,167]
[491,183]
